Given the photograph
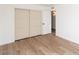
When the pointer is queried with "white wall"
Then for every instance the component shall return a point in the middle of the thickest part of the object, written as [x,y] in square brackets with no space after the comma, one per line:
[6,24]
[67,22]
[31,6]
[47,21]
[7,21]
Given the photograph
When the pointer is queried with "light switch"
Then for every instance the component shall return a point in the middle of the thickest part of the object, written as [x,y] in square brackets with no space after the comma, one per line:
[43,23]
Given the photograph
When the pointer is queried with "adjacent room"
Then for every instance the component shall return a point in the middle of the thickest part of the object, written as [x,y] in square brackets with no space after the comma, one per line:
[39,29]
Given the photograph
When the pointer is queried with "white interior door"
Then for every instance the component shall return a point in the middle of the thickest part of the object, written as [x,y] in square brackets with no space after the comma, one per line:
[35,23]
[22,23]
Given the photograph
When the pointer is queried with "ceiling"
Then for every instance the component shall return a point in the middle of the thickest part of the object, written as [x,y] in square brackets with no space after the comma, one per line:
[48,5]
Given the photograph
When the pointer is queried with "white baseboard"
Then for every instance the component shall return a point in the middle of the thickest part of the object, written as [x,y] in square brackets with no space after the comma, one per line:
[69,39]
[8,42]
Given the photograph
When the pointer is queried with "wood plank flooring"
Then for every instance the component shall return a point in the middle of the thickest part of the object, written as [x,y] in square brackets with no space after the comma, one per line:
[41,45]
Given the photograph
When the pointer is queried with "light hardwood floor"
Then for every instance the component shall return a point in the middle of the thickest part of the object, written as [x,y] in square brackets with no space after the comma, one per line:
[41,45]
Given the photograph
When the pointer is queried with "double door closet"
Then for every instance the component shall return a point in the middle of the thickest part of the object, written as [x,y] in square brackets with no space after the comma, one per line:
[28,23]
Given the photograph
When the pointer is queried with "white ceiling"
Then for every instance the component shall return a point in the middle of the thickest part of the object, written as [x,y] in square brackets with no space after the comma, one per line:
[48,5]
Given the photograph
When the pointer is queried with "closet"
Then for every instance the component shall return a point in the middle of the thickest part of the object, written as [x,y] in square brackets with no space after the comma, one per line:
[35,22]
[28,23]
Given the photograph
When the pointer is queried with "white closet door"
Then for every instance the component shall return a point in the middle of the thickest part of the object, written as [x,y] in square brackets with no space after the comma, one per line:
[35,23]
[22,23]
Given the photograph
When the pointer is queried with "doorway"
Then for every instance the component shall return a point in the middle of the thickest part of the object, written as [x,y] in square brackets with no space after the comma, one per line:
[53,20]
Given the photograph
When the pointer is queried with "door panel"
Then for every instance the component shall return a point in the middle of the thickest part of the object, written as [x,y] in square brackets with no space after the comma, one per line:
[22,23]
[35,22]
